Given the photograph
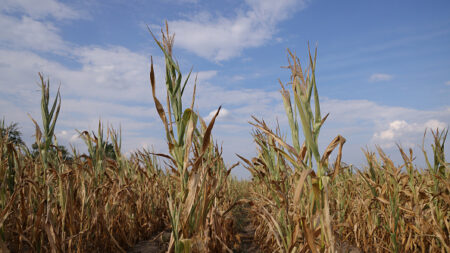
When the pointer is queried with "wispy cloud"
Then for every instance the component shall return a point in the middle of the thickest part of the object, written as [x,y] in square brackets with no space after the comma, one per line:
[41,9]
[182,1]
[27,33]
[379,77]
[405,133]
[103,72]
[238,78]
[447,83]
[205,75]
[221,38]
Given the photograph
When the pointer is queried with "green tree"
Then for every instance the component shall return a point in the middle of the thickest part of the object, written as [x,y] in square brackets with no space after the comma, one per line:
[10,135]
[66,156]
[12,131]
[109,151]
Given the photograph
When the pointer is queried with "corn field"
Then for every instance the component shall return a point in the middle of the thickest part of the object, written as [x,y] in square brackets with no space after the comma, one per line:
[186,200]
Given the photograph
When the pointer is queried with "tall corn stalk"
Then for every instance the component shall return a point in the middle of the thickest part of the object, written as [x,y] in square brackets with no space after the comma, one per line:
[44,141]
[284,169]
[196,164]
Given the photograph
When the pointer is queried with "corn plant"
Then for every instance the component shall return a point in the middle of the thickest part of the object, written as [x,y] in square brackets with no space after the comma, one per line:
[85,204]
[196,164]
[49,117]
[294,221]
[399,209]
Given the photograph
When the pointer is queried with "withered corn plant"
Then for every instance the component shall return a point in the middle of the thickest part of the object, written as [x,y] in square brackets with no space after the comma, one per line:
[397,208]
[302,203]
[289,220]
[199,174]
[90,203]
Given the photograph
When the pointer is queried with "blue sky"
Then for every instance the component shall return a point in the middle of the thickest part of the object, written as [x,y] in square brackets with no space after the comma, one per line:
[383,67]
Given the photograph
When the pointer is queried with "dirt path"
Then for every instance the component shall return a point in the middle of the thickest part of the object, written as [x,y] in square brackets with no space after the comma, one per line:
[246,237]
[244,231]
[156,245]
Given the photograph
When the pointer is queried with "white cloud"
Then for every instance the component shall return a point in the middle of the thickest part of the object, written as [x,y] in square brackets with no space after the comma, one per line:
[68,136]
[405,133]
[105,71]
[447,83]
[41,9]
[366,124]
[223,114]
[373,117]
[238,78]
[74,138]
[379,77]
[435,124]
[62,134]
[104,74]
[220,38]
[28,33]
[25,24]
[371,123]
[204,75]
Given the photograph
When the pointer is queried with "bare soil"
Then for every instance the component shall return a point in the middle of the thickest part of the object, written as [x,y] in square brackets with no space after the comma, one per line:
[244,232]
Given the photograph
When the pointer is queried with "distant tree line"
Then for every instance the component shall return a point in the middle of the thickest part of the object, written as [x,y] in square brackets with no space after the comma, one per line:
[15,137]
